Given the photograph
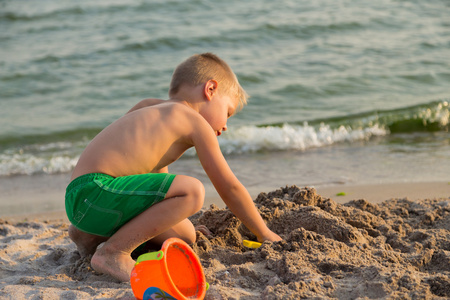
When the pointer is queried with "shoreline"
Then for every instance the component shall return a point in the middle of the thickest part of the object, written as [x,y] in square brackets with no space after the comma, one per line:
[374,193]
[377,193]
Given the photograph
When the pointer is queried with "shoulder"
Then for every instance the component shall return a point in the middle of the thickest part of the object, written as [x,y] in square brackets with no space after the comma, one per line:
[146,103]
[152,101]
[192,122]
[180,110]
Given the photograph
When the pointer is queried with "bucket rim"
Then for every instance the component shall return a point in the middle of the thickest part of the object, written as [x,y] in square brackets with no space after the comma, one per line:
[198,269]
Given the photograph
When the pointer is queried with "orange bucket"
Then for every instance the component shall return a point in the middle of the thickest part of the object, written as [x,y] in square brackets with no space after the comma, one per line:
[174,269]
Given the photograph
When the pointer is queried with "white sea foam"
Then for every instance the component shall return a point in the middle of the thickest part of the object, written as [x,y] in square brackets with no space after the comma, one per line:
[439,114]
[48,158]
[55,158]
[249,139]
[28,164]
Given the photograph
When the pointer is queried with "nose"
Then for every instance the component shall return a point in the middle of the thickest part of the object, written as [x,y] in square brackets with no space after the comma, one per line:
[224,128]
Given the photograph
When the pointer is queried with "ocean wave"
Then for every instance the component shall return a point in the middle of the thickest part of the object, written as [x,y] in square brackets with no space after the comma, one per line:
[152,44]
[258,34]
[249,139]
[58,152]
[306,31]
[54,9]
[41,157]
[319,133]
[419,118]
[36,15]
[25,164]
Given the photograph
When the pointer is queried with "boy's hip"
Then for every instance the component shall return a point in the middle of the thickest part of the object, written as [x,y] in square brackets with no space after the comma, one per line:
[100,204]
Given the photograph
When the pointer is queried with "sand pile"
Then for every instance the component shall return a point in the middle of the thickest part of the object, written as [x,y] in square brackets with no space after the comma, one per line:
[397,249]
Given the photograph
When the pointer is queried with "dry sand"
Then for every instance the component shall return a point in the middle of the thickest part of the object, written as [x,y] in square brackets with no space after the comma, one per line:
[397,249]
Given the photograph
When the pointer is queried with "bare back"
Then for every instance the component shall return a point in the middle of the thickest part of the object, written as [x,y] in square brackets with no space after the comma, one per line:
[149,138]
[142,141]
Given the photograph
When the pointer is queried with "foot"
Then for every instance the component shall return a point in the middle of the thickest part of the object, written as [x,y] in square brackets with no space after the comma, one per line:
[86,243]
[115,264]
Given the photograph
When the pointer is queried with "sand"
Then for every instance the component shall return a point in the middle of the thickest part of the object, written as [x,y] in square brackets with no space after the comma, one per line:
[396,249]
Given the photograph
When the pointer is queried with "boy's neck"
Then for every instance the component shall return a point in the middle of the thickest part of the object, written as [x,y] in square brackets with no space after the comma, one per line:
[191,97]
[185,102]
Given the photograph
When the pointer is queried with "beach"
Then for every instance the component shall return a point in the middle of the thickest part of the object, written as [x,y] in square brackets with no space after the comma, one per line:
[344,143]
[395,246]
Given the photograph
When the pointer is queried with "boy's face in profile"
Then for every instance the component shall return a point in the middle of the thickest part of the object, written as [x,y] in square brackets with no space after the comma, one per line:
[219,109]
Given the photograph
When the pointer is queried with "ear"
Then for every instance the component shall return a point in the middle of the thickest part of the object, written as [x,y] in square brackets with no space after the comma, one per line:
[210,89]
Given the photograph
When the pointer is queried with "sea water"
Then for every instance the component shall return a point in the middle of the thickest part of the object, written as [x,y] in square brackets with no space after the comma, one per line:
[341,91]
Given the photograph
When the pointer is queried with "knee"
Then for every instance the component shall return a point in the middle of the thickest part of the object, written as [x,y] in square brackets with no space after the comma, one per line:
[189,235]
[192,238]
[196,193]
[191,189]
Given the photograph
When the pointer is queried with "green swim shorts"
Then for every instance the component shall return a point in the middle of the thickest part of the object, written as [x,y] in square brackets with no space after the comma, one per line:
[101,204]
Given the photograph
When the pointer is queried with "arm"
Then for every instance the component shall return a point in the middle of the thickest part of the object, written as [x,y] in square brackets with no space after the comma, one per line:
[145,103]
[233,193]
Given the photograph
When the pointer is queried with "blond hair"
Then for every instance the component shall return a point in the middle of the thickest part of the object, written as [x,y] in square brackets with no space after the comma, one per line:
[200,68]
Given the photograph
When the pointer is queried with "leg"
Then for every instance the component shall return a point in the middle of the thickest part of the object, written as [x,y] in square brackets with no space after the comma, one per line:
[184,198]
[86,243]
[183,230]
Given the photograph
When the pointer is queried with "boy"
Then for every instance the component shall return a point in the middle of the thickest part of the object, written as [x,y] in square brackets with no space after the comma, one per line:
[121,192]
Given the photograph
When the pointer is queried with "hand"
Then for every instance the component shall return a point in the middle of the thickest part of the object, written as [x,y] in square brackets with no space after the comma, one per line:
[270,236]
